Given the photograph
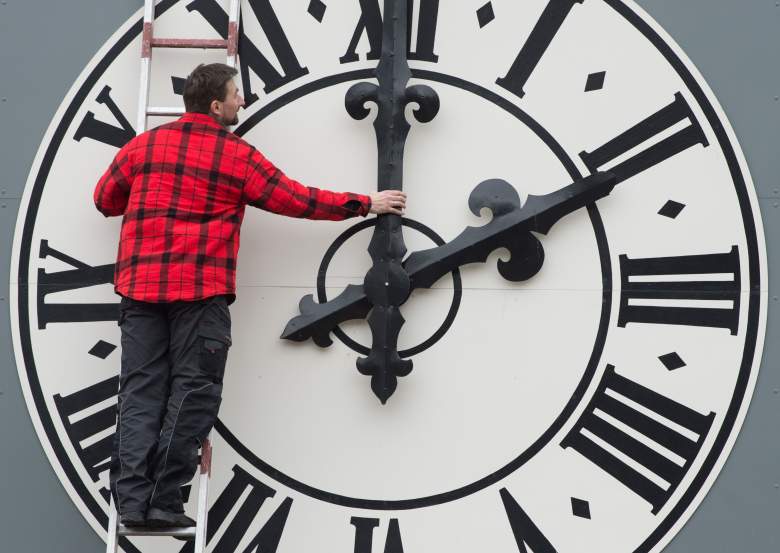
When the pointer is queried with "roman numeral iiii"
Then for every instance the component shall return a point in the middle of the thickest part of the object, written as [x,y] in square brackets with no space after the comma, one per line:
[613,417]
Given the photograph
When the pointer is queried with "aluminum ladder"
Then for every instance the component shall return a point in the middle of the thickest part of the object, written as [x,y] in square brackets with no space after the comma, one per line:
[148,43]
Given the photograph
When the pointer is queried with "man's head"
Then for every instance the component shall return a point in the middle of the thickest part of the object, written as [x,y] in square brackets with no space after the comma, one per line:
[210,89]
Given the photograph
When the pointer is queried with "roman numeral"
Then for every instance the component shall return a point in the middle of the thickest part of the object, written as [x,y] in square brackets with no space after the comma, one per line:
[250,55]
[364,535]
[726,289]
[105,132]
[267,539]
[534,48]
[97,455]
[527,534]
[654,125]
[610,400]
[370,23]
[81,276]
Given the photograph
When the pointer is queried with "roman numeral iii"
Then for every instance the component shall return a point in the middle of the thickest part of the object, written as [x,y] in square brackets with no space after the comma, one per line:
[656,285]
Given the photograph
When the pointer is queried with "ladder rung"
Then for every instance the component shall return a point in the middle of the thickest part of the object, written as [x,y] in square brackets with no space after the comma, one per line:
[189,43]
[188,532]
[165,111]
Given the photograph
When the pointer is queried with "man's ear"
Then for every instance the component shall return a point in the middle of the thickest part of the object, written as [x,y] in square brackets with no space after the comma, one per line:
[215,108]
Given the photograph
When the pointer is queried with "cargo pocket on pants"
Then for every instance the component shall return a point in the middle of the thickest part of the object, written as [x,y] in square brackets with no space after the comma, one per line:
[214,347]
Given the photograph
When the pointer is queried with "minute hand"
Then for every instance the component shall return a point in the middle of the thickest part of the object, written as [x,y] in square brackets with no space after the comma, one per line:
[510,219]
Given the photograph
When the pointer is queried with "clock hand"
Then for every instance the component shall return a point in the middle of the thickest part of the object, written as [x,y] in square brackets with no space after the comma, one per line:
[386,284]
[474,244]
[538,214]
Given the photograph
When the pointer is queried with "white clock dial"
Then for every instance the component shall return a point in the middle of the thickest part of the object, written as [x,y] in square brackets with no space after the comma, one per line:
[589,407]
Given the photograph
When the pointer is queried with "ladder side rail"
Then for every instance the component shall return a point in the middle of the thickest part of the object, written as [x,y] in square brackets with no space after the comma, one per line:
[113,524]
[146,65]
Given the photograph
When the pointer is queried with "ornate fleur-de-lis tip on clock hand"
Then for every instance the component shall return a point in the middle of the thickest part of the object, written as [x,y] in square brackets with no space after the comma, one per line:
[509,228]
[387,284]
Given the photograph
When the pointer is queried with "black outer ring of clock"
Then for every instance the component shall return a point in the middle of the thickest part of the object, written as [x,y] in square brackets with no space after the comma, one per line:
[98,509]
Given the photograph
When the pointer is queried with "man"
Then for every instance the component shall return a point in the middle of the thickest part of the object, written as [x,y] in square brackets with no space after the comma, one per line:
[182,189]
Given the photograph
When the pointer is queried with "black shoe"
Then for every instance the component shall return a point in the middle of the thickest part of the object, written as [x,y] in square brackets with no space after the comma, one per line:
[157,518]
[132,519]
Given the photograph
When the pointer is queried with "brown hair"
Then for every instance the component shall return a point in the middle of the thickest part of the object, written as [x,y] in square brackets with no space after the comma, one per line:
[205,84]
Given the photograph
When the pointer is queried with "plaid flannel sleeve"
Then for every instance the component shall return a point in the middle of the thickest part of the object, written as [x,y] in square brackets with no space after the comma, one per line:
[268,188]
[113,188]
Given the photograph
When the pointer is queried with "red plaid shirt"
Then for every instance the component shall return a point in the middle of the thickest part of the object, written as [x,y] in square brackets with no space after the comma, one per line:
[182,189]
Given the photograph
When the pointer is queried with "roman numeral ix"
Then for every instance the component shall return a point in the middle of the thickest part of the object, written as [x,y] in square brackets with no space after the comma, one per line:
[81,276]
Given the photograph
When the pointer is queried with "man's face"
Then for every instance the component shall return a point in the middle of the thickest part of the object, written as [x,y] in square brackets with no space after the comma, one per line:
[226,112]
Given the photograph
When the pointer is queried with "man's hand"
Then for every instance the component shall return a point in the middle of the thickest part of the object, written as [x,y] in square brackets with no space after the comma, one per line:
[388,201]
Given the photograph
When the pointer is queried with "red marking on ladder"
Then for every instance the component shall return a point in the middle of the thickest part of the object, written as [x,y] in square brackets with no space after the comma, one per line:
[189,43]
[232,41]
[205,457]
[146,41]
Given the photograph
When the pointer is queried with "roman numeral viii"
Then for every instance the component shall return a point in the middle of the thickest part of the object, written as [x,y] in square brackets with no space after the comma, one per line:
[628,417]
[644,131]
[94,453]
[81,276]
[723,284]
[270,534]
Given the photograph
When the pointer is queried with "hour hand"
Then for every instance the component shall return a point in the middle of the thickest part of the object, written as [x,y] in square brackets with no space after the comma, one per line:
[510,228]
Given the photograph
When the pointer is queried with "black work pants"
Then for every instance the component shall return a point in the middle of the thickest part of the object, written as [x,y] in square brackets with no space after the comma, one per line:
[170,389]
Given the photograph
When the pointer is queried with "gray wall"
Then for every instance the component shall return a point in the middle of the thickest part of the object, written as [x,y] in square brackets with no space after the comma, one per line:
[734,43]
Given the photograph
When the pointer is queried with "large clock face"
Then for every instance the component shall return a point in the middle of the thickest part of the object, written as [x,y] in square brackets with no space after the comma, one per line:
[588,408]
